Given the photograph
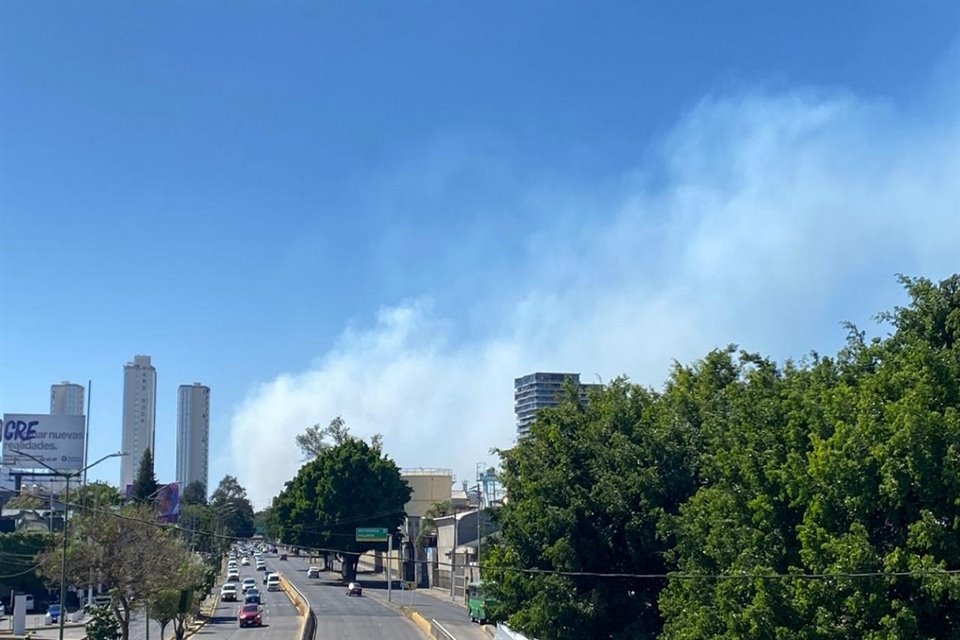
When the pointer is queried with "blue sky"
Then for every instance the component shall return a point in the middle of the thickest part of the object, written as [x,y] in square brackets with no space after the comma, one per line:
[389,210]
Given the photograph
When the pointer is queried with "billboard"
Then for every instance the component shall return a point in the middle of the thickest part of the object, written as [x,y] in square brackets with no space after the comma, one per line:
[168,502]
[56,440]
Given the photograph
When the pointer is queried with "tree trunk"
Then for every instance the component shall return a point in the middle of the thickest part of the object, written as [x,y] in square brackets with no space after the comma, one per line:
[163,627]
[124,624]
[348,568]
[179,625]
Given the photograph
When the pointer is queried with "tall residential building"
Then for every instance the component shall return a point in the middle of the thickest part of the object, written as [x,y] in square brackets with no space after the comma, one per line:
[66,399]
[535,391]
[139,415]
[193,433]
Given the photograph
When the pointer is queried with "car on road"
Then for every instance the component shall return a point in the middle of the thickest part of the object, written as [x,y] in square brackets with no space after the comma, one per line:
[252,596]
[248,583]
[245,561]
[249,615]
[233,575]
[273,582]
[53,612]
[354,589]
[283,556]
[228,592]
[261,565]
[313,572]
[266,576]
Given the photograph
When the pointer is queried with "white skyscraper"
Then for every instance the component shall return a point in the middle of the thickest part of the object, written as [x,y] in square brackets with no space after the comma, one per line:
[139,415]
[66,399]
[193,433]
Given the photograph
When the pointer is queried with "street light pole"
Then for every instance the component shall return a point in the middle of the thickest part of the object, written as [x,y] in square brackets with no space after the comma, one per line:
[63,559]
[66,475]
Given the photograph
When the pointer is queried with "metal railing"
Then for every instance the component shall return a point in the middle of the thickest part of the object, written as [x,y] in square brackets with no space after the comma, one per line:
[438,632]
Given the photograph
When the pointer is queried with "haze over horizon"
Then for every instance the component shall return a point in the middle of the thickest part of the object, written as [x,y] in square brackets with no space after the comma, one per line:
[389,213]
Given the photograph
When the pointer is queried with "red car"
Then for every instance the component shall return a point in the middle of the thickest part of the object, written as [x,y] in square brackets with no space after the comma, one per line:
[249,616]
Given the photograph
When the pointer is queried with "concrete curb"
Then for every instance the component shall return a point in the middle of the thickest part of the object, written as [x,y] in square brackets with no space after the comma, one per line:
[194,625]
[422,623]
[298,600]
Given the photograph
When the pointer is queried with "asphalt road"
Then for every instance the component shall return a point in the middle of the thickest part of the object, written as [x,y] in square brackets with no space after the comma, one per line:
[280,619]
[342,616]
[452,616]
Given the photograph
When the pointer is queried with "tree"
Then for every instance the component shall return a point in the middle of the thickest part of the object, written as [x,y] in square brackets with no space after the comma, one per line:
[590,489]
[316,439]
[347,485]
[18,553]
[129,551]
[194,493]
[162,607]
[849,465]
[96,495]
[813,500]
[102,624]
[266,524]
[428,523]
[145,485]
[24,501]
[232,510]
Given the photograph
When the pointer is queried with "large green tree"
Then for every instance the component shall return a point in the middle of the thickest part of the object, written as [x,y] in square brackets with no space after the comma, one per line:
[347,485]
[588,490]
[812,500]
[231,508]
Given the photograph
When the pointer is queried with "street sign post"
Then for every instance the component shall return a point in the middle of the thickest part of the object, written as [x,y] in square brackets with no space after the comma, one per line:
[372,534]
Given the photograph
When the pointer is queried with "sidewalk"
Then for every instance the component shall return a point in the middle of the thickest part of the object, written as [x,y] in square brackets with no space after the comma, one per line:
[36,627]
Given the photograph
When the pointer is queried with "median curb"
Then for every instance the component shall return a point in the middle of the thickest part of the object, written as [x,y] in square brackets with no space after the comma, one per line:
[419,620]
[301,604]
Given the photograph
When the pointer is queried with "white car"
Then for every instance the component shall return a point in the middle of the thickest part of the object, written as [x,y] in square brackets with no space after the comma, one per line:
[245,561]
[273,582]
[248,583]
[313,572]
[233,575]
[228,592]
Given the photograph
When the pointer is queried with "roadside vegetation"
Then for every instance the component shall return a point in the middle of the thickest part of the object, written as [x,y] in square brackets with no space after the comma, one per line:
[749,499]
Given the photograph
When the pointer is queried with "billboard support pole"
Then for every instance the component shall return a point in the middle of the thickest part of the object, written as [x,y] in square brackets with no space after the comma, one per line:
[86,431]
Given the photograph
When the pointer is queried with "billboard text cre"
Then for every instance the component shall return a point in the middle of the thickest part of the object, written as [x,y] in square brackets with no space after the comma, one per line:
[56,440]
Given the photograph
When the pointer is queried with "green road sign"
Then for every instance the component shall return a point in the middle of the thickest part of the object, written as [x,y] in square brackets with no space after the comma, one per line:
[371,534]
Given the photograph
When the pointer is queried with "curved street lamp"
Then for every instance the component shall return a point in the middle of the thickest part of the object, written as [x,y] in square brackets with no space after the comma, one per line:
[66,475]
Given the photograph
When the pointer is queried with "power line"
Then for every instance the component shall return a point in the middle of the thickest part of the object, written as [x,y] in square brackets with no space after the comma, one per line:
[673,575]
[21,573]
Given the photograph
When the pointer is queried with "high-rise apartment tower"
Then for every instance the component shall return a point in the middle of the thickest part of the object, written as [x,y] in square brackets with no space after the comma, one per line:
[139,416]
[193,433]
[538,390]
[66,399]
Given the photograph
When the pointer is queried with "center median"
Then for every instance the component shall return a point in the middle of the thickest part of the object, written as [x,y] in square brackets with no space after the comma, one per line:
[308,625]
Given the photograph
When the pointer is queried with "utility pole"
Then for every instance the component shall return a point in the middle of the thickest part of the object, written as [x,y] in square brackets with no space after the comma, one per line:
[66,475]
[453,560]
[389,564]
[479,527]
